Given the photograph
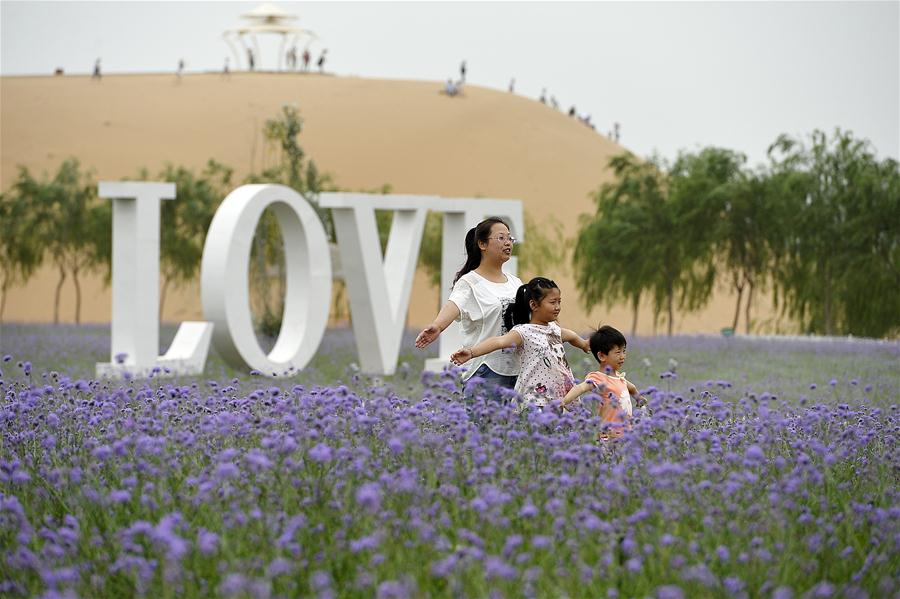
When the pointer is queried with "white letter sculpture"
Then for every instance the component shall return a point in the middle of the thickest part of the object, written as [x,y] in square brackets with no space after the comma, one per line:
[460,215]
[224,279]
[135,289]
[379,287]
[378,290]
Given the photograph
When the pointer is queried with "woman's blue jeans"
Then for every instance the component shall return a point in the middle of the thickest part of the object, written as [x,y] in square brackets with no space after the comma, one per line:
[491,378]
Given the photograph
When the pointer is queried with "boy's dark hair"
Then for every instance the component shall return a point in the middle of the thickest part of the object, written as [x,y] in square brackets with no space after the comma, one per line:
[519,312]
[604,339]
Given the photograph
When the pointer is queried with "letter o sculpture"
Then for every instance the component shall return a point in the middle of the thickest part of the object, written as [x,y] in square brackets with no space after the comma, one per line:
[224,279]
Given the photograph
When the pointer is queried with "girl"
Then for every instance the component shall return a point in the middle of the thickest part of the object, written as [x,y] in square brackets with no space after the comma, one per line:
[544,372]
[481,291]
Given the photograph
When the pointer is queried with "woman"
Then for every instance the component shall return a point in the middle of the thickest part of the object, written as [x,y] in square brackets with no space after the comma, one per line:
[481,293]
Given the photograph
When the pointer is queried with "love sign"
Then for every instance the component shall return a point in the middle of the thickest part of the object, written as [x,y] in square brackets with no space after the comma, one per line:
[378,284]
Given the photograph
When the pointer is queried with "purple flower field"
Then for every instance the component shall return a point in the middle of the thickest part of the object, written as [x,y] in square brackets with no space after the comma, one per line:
[763,468]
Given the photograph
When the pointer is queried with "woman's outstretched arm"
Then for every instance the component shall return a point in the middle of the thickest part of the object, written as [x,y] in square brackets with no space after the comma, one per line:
[449,312]
[491,344]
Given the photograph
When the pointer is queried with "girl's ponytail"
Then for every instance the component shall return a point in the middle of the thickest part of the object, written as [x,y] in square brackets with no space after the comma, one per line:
[518,312]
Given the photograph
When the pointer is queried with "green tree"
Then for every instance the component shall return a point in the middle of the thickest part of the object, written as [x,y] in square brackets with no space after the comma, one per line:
[743,239]
[651,233]
[430,251]
[291,168]
[723,216]
[836,265]
[871,268]
[700,191]
[608,262]
[21,252]
[65,218]
[546,249]
[185,220]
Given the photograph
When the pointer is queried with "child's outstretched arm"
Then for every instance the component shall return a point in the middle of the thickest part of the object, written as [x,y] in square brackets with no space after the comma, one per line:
[464,354]
[639,399]
[569,336]
[576,392]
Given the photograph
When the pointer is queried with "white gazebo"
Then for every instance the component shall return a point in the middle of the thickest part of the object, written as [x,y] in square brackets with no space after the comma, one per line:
[267,18]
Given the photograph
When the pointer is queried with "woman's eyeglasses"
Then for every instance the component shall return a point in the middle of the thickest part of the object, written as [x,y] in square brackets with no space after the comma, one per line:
[504,238]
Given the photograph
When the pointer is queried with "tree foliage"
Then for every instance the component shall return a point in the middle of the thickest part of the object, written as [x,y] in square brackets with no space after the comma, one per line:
[722,209]
[62,221]
[818,224]
[837,256]
[267,260]
[648,235]
[21,250]
[185,220]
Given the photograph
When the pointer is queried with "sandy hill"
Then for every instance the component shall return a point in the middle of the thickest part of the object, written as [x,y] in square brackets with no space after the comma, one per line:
[365,133]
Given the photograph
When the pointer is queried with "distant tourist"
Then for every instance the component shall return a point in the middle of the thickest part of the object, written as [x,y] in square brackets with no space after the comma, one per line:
[450,88]
[321,62]
[462,72]
[512,85]
[292,58]
[554,103]
[615,134]
[180,69]
[572,110]
[251,60]
[96,74]
[226,72]
[543,98]
[306,58]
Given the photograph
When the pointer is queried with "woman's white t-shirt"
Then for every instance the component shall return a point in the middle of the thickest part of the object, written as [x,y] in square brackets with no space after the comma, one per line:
[481,306]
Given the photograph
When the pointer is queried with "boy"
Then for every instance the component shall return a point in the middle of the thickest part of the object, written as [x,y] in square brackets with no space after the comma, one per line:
[616,393]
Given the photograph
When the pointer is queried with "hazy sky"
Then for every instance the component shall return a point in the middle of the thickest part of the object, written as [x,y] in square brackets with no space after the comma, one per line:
[676,75]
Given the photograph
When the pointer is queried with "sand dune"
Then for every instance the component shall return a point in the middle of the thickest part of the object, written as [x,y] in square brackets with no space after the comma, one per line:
[365,133]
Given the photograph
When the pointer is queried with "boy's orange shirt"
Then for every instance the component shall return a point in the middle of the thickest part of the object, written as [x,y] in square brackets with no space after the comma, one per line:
[616,405]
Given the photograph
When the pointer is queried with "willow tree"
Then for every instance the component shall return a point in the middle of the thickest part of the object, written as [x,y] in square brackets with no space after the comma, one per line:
[185,220]
[291,168]
[608,260]
[724,216]
[21,252]
[66,218]
[652,234]
[836,268]
[743,239]
[870,297]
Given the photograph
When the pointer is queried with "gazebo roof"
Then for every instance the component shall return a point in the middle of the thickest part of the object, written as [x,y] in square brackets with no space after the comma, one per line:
[269,13]
[265,19]
[269,28]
